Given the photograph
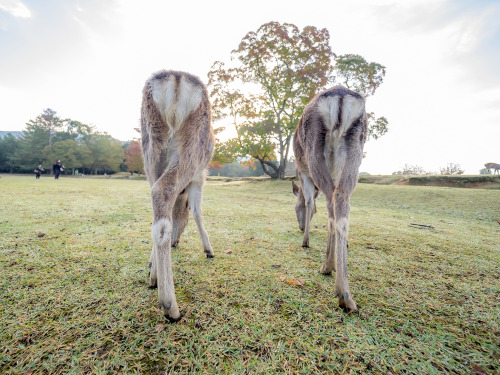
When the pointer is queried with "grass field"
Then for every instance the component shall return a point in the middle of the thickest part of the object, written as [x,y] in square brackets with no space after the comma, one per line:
[76,300]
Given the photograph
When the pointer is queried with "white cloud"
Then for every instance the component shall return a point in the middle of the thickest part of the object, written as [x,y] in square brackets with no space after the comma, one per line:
[15,8]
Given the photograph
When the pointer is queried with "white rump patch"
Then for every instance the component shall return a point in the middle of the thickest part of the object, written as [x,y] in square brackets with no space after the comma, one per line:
[328,108]
[189,98]
[352,108]
[164,96]
[176,103]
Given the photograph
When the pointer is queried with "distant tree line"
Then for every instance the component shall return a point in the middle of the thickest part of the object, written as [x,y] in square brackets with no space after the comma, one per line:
[451,169]
[48,138]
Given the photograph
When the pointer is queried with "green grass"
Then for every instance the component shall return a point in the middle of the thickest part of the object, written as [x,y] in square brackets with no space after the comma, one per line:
[76,300]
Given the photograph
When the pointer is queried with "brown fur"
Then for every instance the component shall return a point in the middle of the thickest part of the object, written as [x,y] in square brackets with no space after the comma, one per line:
[175,161]
[329,161]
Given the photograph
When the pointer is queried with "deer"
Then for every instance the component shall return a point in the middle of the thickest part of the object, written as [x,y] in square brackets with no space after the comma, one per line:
[494,166]
[177,145]
[328,145]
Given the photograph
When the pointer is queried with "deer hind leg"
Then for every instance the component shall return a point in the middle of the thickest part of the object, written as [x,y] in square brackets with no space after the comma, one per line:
[180,216]
[329,264]
[153,275]
[164,194]
[194,192]
[341,223]
[308,190]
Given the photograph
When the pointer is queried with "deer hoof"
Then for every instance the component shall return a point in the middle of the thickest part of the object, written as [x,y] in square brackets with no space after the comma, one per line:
[305,244]
[209,253]
[325,271]
[347,303]
[171,312]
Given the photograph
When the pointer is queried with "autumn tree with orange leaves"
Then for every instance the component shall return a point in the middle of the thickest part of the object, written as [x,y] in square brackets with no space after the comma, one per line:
[133,158]
[277,70]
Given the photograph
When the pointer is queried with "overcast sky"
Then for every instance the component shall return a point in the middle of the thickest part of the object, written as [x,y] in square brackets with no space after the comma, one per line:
[88,60]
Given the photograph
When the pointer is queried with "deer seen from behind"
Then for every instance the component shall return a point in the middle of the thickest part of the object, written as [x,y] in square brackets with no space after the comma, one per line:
[328,145]
[177,145]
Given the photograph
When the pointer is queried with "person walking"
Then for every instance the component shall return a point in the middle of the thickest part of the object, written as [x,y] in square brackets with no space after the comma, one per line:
[39,170]
[57,167]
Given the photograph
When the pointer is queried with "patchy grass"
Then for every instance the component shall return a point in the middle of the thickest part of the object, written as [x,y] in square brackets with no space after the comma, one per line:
[76,300]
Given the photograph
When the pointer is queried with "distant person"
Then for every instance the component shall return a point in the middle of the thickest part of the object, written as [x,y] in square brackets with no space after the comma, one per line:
[58,168]
[39,170]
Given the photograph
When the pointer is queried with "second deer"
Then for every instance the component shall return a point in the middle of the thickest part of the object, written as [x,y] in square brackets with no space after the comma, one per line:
[328,145]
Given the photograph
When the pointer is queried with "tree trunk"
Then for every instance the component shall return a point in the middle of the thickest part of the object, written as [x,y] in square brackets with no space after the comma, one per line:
[267,166]
[281,170]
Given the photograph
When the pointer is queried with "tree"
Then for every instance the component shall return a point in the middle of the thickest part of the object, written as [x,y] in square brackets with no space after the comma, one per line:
[9,146]
[412,170]
[285,67]
[72,129]
[280,68]
[72,154]
[48,122]
[106,153]
[452,169]
[357,74]
[133,157]
[37,134]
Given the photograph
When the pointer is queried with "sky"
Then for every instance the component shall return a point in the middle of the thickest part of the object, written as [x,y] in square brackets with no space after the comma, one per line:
[88,60]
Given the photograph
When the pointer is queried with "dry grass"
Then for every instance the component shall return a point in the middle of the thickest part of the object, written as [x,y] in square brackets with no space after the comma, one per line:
[76,300]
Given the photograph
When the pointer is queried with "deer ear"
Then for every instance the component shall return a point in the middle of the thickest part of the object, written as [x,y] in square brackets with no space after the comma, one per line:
[316,192]
[295,189]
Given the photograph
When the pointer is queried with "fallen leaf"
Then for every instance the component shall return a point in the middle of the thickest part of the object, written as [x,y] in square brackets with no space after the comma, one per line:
[476,369]
[227,251]
[292,280]
[63,229]
[159,327]
[276,265]
[40,234]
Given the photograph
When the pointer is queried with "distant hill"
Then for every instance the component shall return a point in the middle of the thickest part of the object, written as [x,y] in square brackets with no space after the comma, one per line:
[14,133]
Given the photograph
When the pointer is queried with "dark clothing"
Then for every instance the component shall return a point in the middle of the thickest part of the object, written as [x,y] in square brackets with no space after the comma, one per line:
[38,172]
[57,169]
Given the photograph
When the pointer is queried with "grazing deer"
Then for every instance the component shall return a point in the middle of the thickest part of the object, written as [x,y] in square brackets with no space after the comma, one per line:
[494,166]
[328,145]
[177,145]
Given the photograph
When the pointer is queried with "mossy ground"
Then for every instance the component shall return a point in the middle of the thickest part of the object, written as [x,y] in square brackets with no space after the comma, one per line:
[76,299]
